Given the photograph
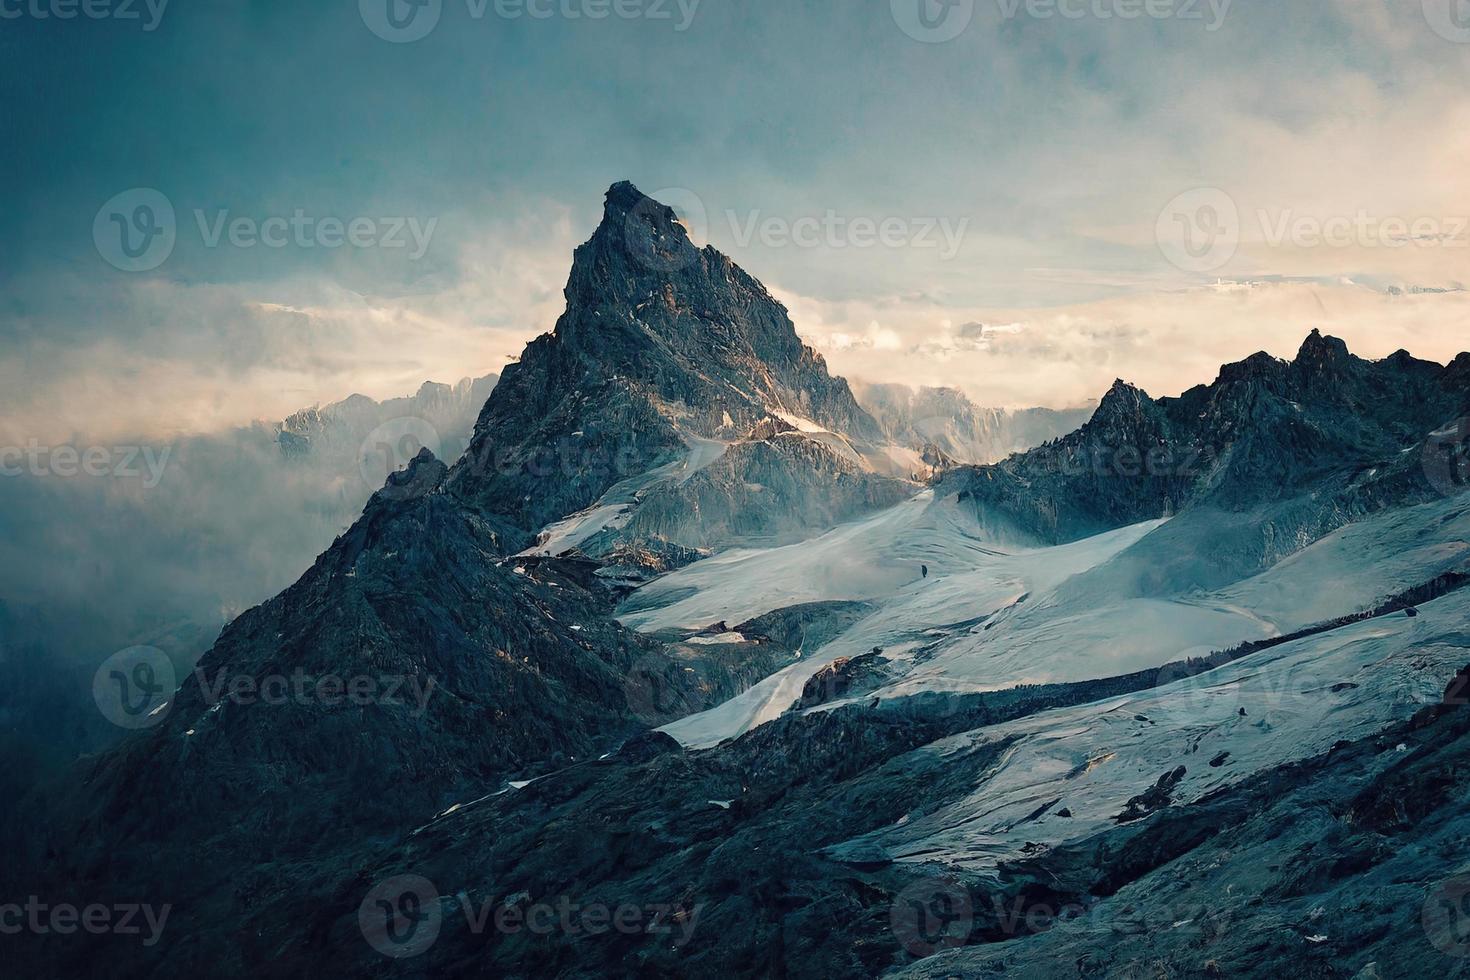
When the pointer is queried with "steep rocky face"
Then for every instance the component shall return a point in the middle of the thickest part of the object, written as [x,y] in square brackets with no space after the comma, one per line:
[1263,432]
[661,342]
[945,420]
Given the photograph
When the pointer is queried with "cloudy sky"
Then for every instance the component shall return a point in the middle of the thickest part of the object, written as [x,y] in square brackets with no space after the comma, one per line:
[1024,200]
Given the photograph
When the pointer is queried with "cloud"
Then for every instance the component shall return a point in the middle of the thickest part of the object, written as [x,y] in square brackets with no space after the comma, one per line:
[1164,342]
[167,358]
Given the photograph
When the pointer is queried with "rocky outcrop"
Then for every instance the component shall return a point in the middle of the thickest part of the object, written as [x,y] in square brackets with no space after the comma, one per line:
[1265,431]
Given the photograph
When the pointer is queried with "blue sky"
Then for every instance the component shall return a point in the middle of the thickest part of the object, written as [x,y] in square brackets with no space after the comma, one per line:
[1023,170]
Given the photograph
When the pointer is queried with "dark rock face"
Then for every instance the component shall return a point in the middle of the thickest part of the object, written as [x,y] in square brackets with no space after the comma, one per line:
[806,626]
[843,677]
[1265,431]
[447,671]
[1156,797]
[660,340]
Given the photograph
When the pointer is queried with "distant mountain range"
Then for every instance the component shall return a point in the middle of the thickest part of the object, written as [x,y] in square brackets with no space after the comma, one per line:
[816,689]
[945,419]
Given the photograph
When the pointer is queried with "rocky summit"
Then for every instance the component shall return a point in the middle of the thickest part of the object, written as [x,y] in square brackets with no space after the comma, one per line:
[663,347]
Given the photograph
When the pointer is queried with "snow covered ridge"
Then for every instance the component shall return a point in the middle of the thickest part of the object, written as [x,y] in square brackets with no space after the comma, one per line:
[1287,703]
[987,617]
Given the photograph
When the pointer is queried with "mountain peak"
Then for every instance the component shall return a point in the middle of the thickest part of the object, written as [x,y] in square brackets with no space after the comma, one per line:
[1320,349]
[1122,395]
[623,198]
[423,475]
[645,227]
[1258,366]
[660,341]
